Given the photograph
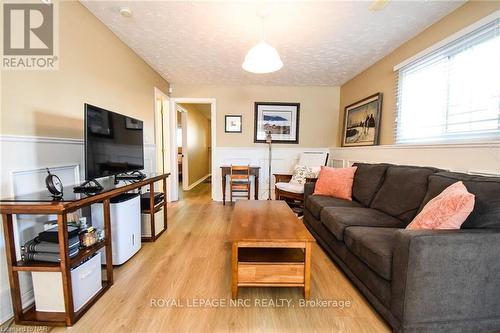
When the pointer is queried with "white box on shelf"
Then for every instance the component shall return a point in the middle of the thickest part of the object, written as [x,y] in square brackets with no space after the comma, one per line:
[85,279]
[146,223]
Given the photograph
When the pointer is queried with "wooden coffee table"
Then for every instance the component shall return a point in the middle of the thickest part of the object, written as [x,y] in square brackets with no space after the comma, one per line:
[271,247]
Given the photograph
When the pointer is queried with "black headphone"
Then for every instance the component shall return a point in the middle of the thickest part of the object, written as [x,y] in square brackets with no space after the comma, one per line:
[54,185]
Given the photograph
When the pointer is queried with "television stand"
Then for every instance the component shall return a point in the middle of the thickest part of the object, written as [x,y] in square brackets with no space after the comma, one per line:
[135,175]
[89,186]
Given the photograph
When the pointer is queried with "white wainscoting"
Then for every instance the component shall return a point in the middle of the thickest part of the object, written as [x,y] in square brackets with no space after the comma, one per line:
[283,161]
[23,160]
[479,158]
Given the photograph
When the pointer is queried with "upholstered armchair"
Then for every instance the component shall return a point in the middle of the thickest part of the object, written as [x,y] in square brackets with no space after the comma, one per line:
[290,187]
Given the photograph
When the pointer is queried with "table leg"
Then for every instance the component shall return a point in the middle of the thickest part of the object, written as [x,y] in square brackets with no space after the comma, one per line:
[62,234]
[307,271]
[109,243]
[256,187]
[234,271]
[10,250]
[223,188]
[152,210]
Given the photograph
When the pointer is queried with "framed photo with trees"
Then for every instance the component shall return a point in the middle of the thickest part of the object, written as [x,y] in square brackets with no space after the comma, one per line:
[362,122]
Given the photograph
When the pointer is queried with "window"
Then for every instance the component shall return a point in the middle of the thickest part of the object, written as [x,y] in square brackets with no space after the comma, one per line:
[452,93]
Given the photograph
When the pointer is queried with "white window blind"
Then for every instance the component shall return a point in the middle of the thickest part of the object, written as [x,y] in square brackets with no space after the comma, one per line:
[452,93]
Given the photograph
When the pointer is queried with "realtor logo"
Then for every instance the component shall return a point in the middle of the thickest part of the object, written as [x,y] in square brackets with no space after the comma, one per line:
[29,36]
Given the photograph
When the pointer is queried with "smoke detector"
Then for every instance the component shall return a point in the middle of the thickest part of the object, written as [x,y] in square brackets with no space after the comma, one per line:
[126,12]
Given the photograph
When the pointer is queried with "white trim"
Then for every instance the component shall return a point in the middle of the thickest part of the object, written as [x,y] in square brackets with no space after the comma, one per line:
[492,144]
[449,39]
[47,139]
[196,183]
[40,139]
[185,151]
[173,141]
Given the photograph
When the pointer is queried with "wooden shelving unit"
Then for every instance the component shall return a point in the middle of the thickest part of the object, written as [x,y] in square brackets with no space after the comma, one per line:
[61,208]
[152,212]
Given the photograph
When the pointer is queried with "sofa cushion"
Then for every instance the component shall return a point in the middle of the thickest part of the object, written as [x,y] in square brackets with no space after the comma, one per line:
[367,181]
[373,246]
[486,213]
[337,219]
[316,203]
[402,191]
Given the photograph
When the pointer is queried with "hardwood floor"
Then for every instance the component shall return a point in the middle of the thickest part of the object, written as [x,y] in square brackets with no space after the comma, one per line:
[192,261]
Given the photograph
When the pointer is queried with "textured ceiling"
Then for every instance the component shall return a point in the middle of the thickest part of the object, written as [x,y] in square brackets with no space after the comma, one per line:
[320,43]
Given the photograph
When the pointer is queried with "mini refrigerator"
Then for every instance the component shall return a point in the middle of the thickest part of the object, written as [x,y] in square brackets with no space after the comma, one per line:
[125,215]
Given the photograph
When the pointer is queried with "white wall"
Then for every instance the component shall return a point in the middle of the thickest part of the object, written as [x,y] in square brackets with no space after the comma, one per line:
[19,153]
[481,158]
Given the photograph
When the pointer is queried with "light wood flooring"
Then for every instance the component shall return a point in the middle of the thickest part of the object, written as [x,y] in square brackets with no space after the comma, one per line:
[191,261]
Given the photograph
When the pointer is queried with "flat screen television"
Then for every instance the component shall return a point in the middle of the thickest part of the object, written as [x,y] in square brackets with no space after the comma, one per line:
[113,143]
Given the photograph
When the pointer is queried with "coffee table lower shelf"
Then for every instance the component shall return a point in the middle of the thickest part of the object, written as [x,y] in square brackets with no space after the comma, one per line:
[258,264]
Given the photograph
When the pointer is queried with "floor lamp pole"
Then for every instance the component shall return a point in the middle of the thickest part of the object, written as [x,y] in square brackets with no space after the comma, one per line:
[269,140]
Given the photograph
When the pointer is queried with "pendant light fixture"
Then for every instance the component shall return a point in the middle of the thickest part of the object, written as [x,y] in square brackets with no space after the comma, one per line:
[262,58]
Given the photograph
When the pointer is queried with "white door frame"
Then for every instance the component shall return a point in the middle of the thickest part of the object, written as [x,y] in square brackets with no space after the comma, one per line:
[185,152]
[161,123]
[173,139]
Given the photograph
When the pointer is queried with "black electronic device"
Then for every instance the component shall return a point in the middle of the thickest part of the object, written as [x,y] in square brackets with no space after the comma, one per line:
[54,185]
[113,143]
[145,198]
[90,186]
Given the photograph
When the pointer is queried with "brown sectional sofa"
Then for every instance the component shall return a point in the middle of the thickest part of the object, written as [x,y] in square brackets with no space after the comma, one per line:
[419,281]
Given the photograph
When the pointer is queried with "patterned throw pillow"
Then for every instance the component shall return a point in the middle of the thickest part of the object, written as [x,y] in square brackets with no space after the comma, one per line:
[300,173]
[448,210]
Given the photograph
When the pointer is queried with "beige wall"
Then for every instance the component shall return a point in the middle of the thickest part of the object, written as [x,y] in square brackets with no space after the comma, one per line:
[318,110]
[380,76]
[198,142]
[95,67]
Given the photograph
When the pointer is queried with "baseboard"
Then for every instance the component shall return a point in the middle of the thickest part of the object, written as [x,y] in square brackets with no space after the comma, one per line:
[198,182]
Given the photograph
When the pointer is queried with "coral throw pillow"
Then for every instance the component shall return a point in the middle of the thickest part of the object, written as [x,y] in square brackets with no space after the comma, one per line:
[335,182]
[446,211]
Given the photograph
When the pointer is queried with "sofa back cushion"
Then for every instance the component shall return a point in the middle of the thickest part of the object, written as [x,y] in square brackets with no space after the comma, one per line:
[367,181]
[402,191]
[486,213]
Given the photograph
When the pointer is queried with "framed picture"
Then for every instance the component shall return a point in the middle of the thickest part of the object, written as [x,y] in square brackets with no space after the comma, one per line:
[233,123]
[133,124]
[362,122]
[281,119]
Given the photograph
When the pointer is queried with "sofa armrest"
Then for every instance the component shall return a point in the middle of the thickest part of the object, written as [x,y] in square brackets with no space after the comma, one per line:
[308,189]
[445,275]
[282,178]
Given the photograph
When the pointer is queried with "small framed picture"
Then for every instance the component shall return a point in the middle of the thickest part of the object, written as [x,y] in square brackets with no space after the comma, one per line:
[233,123]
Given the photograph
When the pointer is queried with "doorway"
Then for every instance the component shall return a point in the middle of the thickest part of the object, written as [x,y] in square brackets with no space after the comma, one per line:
[162,137]
[192,149]
[194,152]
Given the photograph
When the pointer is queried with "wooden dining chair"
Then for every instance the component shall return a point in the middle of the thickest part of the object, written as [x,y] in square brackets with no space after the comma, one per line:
[239,181]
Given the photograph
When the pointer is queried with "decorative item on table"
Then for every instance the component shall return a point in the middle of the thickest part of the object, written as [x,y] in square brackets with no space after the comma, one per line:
[362,122]
[40,250]
[54,185]
[233,123]
[280,119]
[88,237]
